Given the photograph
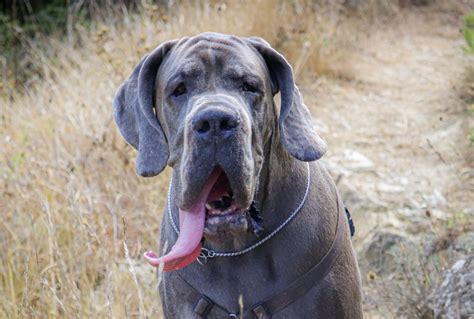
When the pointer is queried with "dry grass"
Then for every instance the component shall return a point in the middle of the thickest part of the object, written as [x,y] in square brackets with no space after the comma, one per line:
[74,216]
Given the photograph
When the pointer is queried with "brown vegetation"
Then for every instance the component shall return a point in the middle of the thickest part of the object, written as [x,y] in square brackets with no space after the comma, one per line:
[75,218]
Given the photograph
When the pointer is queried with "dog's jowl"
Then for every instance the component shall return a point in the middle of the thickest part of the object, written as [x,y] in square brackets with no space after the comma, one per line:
[254,226]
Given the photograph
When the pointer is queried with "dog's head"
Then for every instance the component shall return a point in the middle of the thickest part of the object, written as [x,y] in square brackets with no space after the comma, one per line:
[204,105]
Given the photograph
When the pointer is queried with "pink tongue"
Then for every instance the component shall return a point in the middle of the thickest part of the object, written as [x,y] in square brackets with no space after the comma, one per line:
[191,223]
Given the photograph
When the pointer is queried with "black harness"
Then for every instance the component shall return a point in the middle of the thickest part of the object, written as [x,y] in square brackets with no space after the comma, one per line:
[204,306]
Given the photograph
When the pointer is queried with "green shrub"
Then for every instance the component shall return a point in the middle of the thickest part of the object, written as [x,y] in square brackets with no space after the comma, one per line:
[468,30]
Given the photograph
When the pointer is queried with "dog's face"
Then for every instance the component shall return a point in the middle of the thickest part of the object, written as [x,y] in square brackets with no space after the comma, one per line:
[214,103]
[204,105]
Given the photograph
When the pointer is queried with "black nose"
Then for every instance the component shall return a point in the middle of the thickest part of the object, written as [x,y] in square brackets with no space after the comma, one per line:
[215,123]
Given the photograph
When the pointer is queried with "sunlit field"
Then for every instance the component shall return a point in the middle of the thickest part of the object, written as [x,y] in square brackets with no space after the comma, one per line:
[75,219]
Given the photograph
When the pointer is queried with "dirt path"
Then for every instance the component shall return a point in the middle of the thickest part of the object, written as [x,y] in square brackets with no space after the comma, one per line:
[397,133]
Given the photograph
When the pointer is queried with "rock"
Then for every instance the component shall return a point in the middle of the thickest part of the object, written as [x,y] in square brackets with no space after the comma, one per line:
[436,199]
[352,198]
[389,188]
[412,204]
[354,160]
[347,163]
[334,168]
[357,199]
[403,181]
[417,220]
[464,243]
[380,253]
[454,298]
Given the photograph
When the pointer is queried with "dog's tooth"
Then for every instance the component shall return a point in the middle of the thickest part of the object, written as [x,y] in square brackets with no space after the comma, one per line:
[214,212]
[209,207]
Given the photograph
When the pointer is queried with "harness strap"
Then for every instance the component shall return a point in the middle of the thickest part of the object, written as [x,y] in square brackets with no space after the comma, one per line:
[298,288]
[350,221]
[313,277]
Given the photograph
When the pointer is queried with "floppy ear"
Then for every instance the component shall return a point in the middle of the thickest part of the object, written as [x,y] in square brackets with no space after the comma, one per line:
[297,133]
[133,111]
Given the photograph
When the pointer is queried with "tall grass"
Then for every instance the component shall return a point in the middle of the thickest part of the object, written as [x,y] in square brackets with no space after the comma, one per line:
[74,217]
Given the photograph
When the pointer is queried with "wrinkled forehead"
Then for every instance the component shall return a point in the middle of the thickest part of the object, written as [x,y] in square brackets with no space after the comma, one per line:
[220,54]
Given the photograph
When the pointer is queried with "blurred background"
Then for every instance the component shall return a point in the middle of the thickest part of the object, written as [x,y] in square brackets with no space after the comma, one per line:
[391,88]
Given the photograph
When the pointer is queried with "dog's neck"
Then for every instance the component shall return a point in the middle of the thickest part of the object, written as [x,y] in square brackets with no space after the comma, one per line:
[280,174]
[285,257]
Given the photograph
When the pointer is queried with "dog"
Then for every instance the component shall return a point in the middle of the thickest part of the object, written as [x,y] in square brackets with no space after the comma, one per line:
[252,218]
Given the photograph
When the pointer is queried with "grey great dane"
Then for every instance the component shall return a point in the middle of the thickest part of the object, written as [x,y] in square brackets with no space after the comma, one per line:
[253,219]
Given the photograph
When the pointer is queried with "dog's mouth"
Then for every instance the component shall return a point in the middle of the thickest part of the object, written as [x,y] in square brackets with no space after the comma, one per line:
[214,215]
[223,216]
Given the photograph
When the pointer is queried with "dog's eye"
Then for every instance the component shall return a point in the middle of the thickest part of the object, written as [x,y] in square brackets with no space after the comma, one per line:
[180,90]
[246,87]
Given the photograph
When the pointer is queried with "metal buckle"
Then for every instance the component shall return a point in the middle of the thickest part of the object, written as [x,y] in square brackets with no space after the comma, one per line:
[204,255]
[260,312]
[203,306]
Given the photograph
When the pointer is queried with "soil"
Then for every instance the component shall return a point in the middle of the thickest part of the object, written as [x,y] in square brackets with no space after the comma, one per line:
[398,131]
[397,125]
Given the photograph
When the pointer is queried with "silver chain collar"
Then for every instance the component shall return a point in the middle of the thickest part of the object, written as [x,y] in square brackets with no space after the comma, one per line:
[209,253]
